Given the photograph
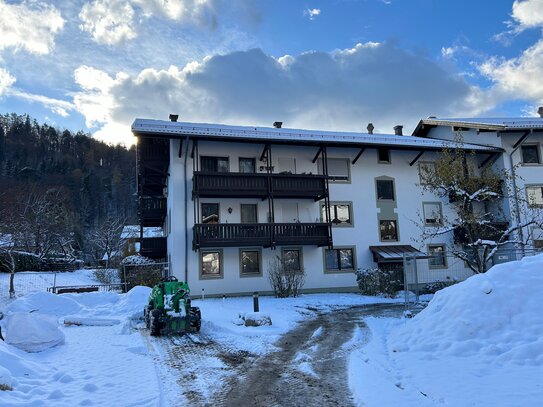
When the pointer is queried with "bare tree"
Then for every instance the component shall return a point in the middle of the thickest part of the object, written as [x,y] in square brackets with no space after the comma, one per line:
[479,220]
[106,238]
[285,281]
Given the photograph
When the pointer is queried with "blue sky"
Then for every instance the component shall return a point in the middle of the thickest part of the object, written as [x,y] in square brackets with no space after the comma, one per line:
[330,64]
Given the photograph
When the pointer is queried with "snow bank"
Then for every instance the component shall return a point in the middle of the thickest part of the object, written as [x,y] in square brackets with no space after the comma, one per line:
[496,316]
[44,303]
[33,332]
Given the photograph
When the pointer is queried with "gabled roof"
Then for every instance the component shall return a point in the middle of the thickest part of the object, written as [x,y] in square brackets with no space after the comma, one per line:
[480,123]
[220,132]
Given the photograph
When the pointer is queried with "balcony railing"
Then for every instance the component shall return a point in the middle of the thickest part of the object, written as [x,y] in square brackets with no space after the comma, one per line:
[260,234]
[490,231]
[152,211]
[154,247]
[252,185]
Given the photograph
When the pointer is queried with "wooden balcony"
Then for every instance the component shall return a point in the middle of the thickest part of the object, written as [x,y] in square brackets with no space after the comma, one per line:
[154,247]
[260,234]
[249,185]
[152,211]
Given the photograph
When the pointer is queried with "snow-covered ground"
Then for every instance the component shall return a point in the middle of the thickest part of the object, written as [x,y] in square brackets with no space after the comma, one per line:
[479,342]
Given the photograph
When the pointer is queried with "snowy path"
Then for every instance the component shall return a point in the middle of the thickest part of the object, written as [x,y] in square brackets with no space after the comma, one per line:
[306,366]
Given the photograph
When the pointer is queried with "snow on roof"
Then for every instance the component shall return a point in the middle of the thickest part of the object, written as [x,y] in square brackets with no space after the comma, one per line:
[221,132]
[488,123]
[133,232]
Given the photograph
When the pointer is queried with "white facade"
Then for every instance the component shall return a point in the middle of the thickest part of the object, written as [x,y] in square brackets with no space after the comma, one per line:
[358,191]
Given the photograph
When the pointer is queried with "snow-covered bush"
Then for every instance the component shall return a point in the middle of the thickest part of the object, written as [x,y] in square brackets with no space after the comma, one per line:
[33,332]
[374,281]
[106,276]
[139,270]
[432,288]
[23,261]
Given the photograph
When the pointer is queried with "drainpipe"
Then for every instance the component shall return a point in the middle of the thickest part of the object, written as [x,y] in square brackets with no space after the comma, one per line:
[515,194]
[185,208]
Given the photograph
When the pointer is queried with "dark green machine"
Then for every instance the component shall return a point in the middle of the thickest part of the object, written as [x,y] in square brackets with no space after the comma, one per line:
[169,309]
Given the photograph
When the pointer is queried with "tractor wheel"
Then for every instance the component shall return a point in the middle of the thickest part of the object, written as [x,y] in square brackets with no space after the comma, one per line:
[154,322]
[195,319]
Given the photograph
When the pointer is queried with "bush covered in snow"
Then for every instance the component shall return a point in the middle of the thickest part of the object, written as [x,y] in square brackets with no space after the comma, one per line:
[496,315]
[374,281]
[23,261]
[33,332]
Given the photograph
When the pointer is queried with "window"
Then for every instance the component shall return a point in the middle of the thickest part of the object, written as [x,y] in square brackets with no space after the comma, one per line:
[291,259]
[530,154]
[339,259]
[250,262]
[247,165]
[340,213]
[432,213]
[210,213]
[537,238]
[388,230]
[211,264]
[426,170]
[383,155]
[385,189]
[437,257]
[535,195]
[338,169]
[248,213]
[214,164]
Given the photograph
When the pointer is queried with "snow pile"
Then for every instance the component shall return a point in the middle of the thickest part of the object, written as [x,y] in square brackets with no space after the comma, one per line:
[496,315]
[44,303]
[255,318]
[33,332]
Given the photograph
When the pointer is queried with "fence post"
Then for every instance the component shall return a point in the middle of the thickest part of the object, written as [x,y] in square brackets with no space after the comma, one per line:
[124,277]
[54,282]
[416,273]
[405,284]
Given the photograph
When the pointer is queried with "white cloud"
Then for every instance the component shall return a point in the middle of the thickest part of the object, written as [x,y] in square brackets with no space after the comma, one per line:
[342,90]
[109,22]
[60,107]
[312,13]
[29,26]
[196,11]
[528,13]
[6,80]
[518,78]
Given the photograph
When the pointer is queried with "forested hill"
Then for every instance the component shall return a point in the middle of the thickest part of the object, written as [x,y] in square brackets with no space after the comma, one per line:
[96,180]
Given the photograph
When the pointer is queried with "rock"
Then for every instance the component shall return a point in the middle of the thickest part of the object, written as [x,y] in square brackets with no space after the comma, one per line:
[257,319]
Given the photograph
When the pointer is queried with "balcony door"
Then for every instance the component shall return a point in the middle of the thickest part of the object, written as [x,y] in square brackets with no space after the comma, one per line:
[214,164]
[248,213]
[287,165]
[289,213]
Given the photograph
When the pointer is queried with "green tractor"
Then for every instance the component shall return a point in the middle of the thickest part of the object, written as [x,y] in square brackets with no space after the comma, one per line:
[169,309]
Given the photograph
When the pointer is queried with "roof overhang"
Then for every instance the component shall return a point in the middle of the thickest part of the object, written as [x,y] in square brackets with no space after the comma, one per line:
[501,125]
[395,253]
[245,134]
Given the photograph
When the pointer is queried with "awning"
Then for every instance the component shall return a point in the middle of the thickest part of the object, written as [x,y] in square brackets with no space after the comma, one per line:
[395,253]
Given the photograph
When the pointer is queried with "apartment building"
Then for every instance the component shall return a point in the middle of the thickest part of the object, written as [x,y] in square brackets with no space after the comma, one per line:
[231,199]
[521,140]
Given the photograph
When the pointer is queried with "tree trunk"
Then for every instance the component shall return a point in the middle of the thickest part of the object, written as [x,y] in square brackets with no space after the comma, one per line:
[11,284]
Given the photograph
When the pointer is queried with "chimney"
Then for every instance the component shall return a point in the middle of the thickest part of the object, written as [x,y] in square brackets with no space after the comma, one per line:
[370,128]
[174,117]
[398,130]
[277,125]
[540,111]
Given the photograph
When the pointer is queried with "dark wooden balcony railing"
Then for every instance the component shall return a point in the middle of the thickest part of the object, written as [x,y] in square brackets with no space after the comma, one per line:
[234,184]
[260,234]
[152,211]
[154,247]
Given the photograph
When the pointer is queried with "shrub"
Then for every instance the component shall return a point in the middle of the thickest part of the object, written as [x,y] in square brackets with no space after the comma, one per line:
[374,281]
[138,270]
[106,276]
[23,261]
[432,288]
[285,283]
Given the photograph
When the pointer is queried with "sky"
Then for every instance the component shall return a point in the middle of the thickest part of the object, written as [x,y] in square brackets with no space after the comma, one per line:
[329,64]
